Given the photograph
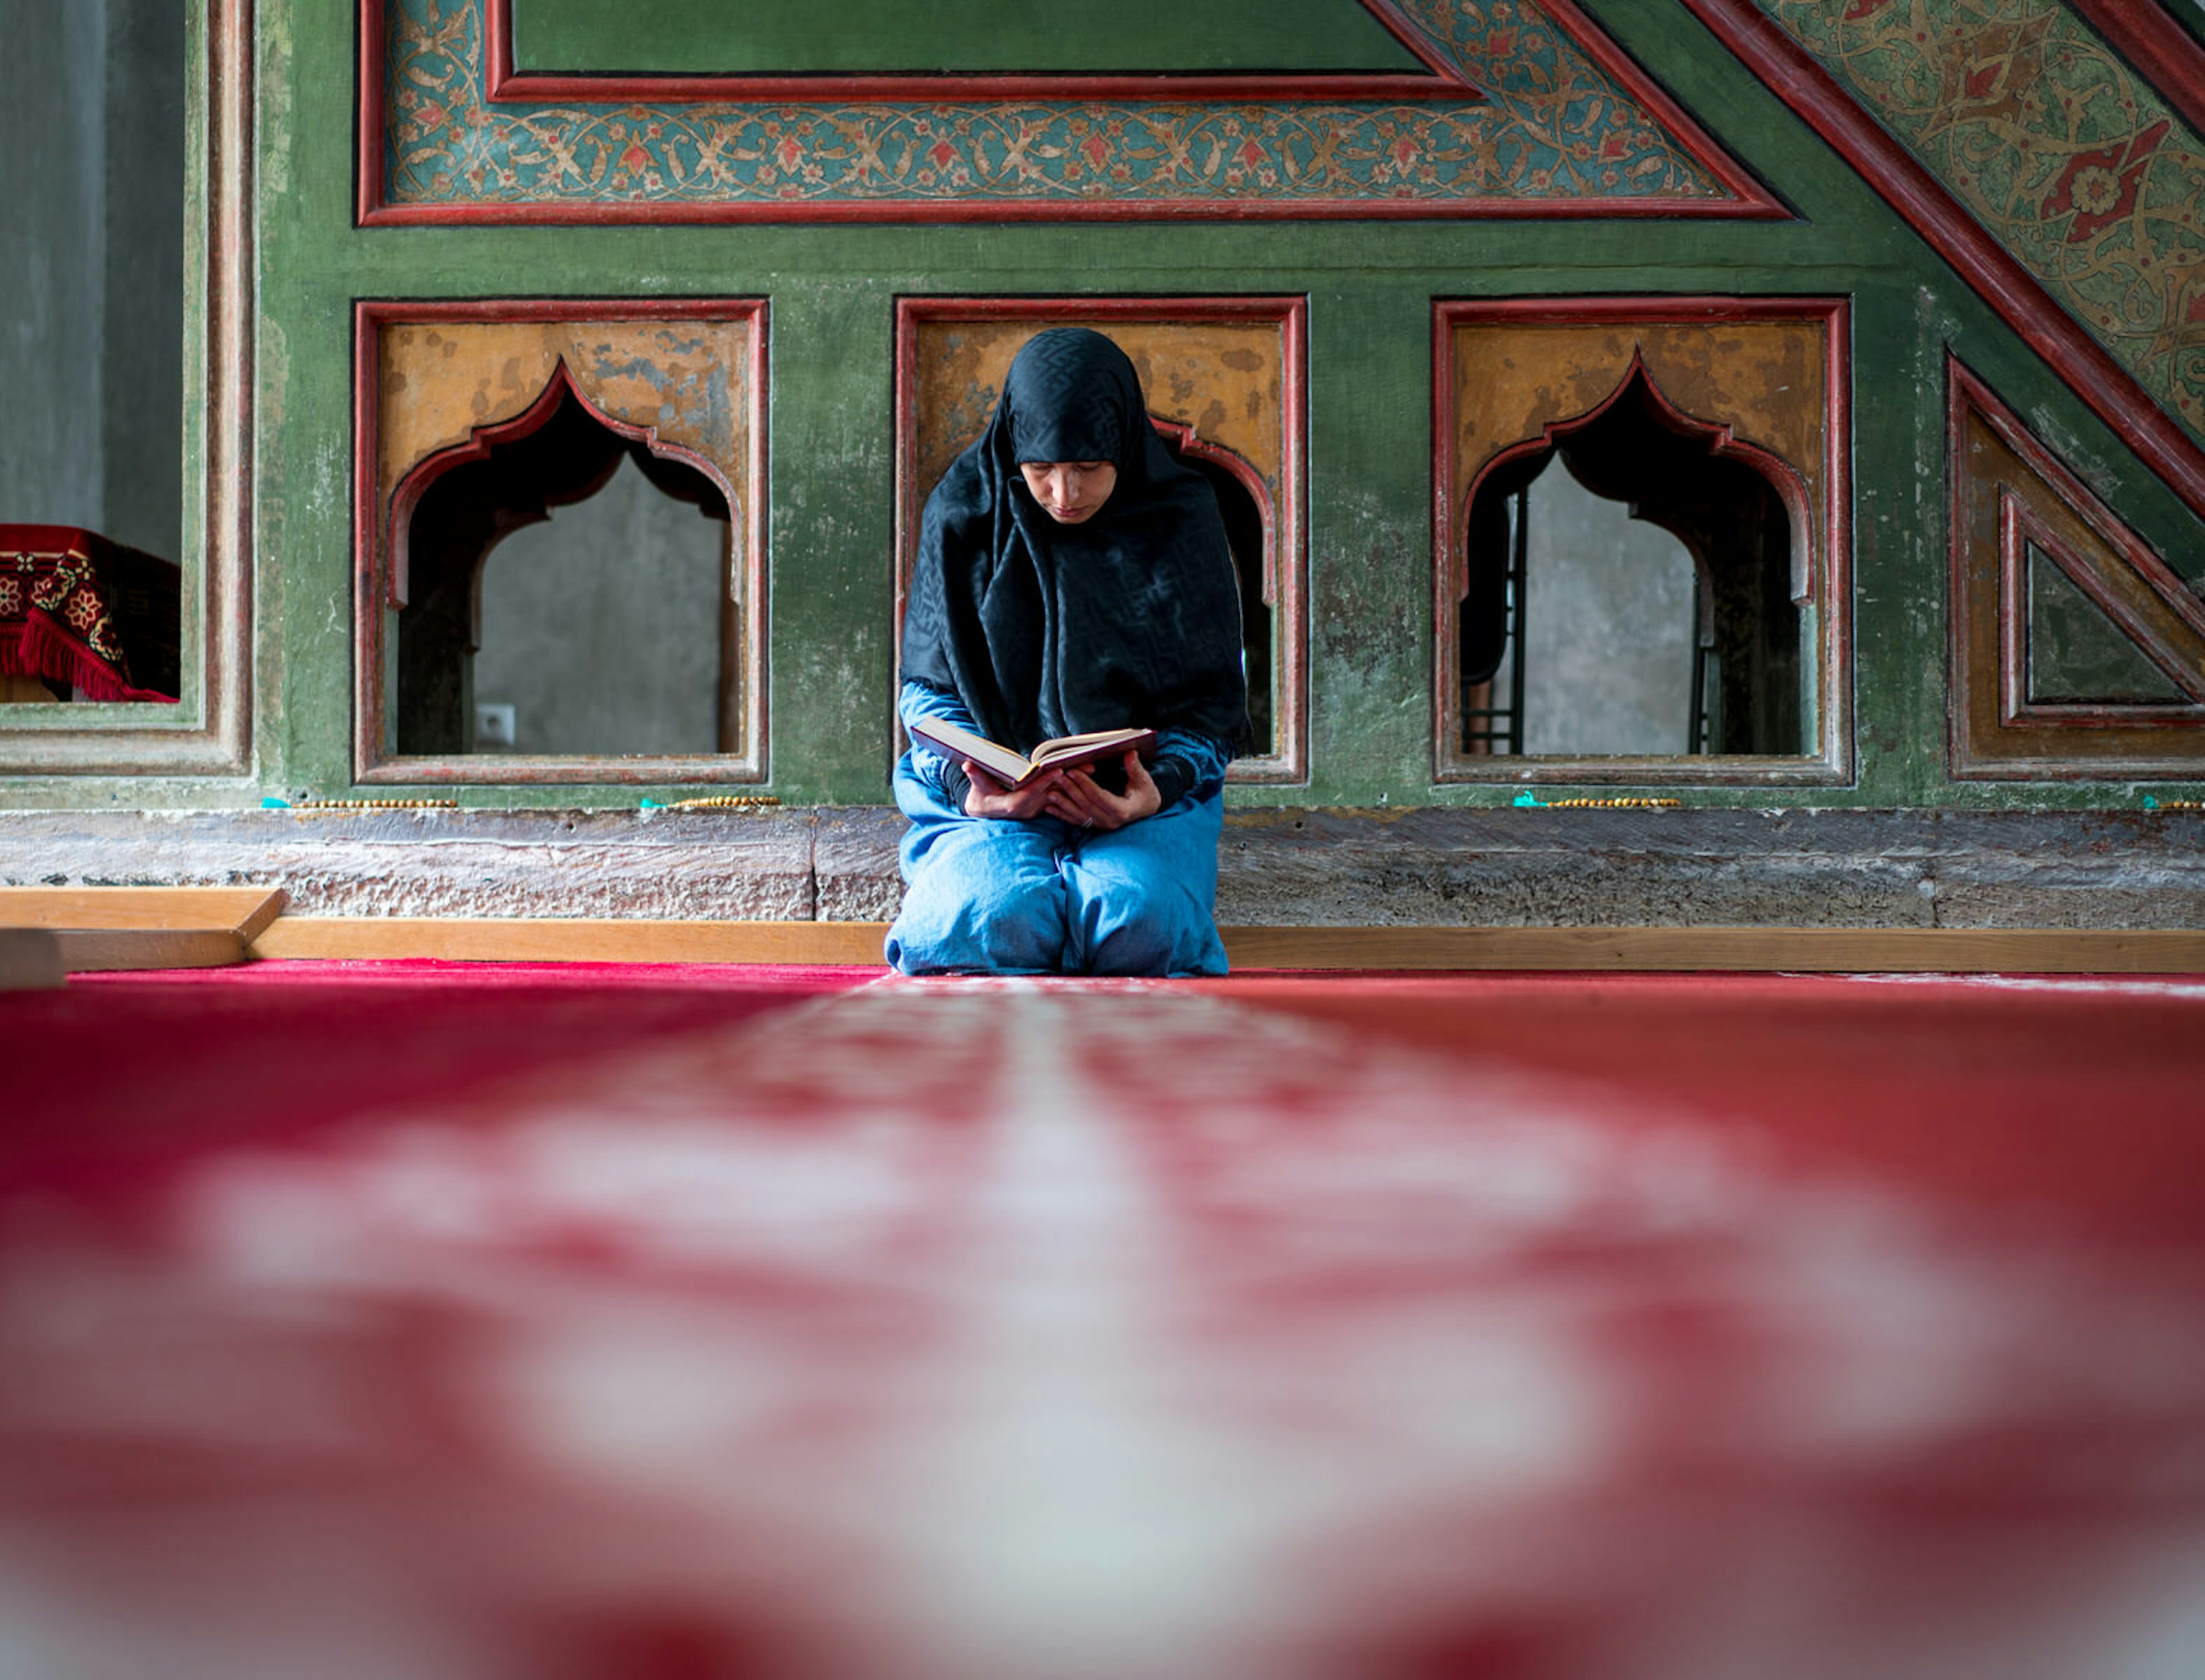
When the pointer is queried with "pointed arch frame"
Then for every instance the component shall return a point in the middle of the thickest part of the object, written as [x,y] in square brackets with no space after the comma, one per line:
[1721,442]
[382,512]
[1283,511]
[1820,521]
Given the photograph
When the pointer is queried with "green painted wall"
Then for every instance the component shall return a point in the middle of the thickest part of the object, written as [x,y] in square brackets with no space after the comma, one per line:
[700,37]
[1369,287]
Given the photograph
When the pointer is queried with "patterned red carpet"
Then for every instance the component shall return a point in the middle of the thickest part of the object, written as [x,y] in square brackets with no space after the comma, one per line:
[432,1321]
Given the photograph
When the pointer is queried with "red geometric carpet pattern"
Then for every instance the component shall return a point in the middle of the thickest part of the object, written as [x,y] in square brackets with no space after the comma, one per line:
[429,1321]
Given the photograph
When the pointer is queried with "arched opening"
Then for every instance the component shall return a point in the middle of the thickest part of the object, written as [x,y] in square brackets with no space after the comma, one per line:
[614,630]
[1732,646]
[1247,533]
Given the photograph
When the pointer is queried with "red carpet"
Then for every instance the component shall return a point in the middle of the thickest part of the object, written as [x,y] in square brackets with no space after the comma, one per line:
[459,1321]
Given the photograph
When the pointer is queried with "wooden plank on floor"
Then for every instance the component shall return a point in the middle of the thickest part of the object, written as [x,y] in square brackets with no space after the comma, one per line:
[96,950]
[111,928]
[571,940]
[30,957]
[1751,949]
[246,910]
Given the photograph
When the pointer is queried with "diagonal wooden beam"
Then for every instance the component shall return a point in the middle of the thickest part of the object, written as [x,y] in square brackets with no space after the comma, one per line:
[1796,77]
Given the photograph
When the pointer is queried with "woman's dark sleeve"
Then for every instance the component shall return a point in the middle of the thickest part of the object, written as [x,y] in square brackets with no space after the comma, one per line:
[1187,762]
[923,699]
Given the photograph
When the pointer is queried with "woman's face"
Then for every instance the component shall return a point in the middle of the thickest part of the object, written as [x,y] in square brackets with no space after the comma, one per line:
[1070,491]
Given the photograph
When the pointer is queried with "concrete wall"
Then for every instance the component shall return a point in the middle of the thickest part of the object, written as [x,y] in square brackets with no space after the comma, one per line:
[91,121]
[601,628]
[141,385]
[53,249]
[1608,627]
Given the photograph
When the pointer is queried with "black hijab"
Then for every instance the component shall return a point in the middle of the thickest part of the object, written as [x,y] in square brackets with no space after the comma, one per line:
[1130,618]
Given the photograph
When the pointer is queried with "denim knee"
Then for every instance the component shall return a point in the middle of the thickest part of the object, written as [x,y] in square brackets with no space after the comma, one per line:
[1007,927]
[1132,926]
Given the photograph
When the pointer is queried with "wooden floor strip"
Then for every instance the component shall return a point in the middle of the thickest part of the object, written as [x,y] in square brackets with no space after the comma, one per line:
[30,957]
[571,940]
[111,950]
[111,928]
[1752,949]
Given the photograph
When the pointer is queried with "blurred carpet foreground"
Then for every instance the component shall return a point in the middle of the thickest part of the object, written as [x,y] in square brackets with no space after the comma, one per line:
[408,1322]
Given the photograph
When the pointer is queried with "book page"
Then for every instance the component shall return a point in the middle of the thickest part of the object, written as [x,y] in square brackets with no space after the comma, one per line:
[1048,750]
[955,744]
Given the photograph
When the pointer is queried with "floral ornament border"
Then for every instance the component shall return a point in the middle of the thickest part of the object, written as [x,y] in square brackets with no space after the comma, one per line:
[2081,170]
[1567,126]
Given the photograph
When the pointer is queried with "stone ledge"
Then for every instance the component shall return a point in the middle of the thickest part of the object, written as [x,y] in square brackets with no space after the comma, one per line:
[1432,866]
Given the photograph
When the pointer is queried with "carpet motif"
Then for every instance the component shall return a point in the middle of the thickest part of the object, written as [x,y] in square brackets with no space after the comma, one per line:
[60,595]
[997,1330]
[1554,128]
[2079,168]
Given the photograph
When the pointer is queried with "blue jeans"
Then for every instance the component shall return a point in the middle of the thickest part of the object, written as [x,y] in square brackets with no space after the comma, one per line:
[992,896]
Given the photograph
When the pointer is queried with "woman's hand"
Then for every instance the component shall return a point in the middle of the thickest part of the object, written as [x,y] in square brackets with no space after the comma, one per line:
[989,798]
[1080,799]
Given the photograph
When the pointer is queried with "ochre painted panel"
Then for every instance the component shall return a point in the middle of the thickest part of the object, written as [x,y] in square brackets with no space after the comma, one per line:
[441,381]
[1223,380]
[1765,379]
[1224,374]
[1762,380]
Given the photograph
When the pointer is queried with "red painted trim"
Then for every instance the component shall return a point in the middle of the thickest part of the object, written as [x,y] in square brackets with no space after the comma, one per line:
[1970,387]
[1290,673]
[369,183]
[1794,75]
[2161,51]
[758,650]
[2015,529]
[1827,560]
[367,588]
[642,213]
[1967,395]
[1286,519]
[1754,199]
[505,81]
[377,533]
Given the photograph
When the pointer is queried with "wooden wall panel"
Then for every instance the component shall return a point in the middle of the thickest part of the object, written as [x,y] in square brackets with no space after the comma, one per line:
[2010,491]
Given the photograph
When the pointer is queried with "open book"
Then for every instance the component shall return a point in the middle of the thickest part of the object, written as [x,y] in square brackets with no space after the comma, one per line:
[1012,769]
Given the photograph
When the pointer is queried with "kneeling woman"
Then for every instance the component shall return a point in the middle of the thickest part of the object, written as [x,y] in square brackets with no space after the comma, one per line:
[1071,576]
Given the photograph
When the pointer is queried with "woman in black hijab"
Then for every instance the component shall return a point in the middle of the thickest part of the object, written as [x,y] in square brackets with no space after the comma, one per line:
[1071,576]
